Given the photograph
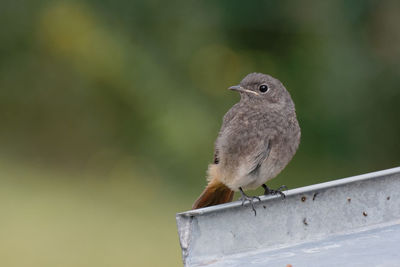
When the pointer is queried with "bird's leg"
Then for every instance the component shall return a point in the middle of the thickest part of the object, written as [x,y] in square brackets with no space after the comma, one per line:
[245,198]
[268,191]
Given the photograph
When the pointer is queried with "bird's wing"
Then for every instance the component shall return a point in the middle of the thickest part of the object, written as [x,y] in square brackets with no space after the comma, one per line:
[227,118]
[261,153]
[216,157]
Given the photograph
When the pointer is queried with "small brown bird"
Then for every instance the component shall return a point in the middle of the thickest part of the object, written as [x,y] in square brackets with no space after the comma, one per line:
[259,136]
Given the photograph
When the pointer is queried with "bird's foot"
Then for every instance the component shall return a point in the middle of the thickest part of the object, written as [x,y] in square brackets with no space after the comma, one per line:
[268,191]
[250,199]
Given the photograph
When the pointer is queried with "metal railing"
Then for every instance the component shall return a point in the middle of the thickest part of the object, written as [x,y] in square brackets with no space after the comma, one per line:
[309,217]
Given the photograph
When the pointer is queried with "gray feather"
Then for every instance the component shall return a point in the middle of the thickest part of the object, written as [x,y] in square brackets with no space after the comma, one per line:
[260,156]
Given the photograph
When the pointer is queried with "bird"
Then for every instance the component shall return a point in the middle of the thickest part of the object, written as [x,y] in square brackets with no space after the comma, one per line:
[259,136]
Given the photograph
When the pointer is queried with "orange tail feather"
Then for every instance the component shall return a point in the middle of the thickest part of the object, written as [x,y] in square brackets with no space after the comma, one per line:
[214,194]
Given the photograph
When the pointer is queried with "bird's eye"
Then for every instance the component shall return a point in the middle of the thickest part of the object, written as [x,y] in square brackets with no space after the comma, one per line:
[263,88]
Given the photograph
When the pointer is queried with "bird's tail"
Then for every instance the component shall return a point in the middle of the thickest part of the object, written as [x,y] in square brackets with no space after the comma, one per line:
[214,194]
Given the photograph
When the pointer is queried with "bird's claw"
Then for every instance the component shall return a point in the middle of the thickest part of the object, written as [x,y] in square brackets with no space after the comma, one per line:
[268,191]
[250,199]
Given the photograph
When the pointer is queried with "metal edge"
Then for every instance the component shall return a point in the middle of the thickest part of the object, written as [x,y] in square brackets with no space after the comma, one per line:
[296,191]
[184,224]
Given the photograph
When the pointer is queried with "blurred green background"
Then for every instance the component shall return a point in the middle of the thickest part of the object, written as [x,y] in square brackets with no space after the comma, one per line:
[109,111]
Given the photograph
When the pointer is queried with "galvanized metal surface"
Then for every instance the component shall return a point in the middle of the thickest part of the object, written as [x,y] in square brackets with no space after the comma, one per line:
[376,247]
[330,218]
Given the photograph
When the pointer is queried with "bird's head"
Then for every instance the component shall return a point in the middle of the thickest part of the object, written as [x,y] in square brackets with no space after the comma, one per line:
[258,87]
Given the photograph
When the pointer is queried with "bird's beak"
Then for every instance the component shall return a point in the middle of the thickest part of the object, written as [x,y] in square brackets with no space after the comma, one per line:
[236,88]
[241,89]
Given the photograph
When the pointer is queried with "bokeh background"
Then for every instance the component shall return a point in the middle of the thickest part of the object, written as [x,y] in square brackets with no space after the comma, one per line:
[109,111]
